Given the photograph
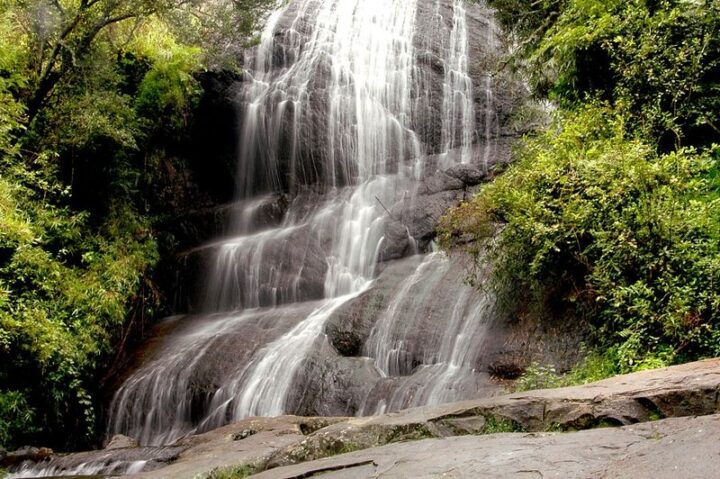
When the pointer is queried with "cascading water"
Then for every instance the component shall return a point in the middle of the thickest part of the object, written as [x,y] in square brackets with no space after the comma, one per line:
[348,106]
[114,468]
[458,103]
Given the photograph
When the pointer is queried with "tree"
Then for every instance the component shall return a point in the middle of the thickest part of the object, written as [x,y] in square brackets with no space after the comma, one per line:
[61,33]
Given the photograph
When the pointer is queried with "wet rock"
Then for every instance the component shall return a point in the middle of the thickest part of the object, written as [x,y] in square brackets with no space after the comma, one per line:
[467,174]
[396,323]
[331,385]
[414,220]
[244,276]
[304,133]
[215,348]
[102,463]
[685,390]
[432,61]
[397,243]
[666,448]
[119,441]
[26,454]
[439,182]
[349,327]
[422,215]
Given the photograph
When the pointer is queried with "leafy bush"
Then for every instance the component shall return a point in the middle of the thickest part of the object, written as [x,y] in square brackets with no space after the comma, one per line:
[17,416]
[537,376]
[169,90]
[600,223]
[232,472]
[594,367]
[64,297]
[498,425]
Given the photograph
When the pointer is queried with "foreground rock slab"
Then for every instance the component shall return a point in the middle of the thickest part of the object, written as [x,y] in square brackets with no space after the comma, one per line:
[670,448]
[686,390]
[642,402]
[252,441]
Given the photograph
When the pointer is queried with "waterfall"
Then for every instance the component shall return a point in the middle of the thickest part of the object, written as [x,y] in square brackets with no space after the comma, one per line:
[86,469]
[458,102]
[344,105]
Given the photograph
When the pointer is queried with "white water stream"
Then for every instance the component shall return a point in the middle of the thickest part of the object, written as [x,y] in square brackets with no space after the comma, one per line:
[330,100]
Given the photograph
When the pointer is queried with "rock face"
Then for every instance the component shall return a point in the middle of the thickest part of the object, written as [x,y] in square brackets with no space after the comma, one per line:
[413,220]
[101,463]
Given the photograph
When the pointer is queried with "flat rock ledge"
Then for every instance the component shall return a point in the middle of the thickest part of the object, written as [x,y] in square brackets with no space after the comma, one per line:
[667,449]
[638,425]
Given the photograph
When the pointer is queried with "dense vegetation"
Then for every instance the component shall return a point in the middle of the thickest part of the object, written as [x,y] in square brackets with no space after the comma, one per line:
[611,216]
[94,97]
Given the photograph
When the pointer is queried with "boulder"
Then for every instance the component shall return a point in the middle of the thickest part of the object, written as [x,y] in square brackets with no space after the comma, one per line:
[332,385]
[350,325]
[119,441]
[397,242]
[467,174]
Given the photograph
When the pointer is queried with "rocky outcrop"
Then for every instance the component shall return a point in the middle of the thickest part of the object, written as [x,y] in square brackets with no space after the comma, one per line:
[349,328]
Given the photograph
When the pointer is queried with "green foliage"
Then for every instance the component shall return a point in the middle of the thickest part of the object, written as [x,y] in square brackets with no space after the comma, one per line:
[606,216]
[233,472]
[594,367]
[665,63]
[527,19]
[18,417]
[169,90]
[64,302]
[537,376]
[496,425]
[11,80]
[601,224]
